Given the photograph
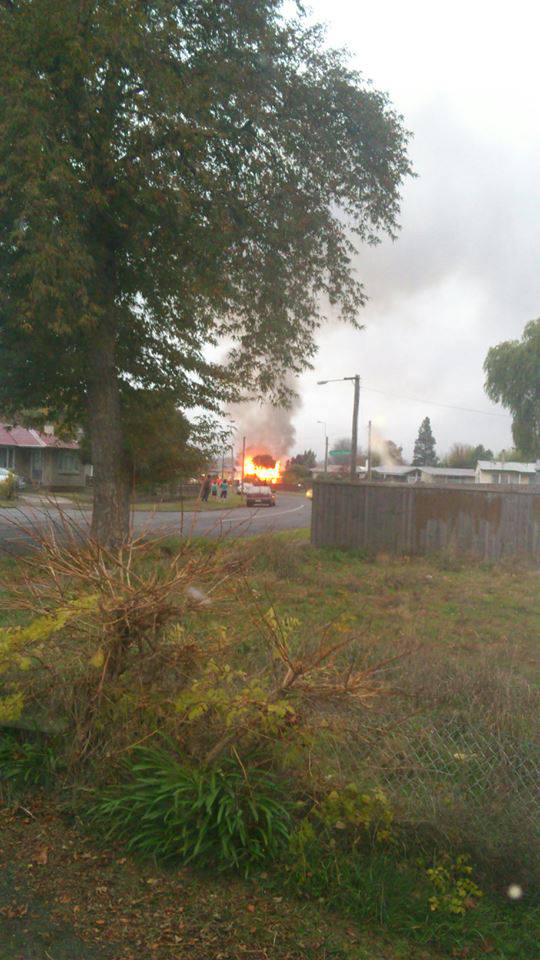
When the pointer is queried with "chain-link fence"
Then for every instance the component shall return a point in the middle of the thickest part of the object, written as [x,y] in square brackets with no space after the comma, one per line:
[451,762]
[474,784]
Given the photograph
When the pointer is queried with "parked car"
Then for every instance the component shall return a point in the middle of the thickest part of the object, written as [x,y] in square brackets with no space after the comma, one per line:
[4,474]
[259,493]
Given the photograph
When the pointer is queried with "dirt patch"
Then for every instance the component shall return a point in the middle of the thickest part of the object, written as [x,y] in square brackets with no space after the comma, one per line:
[62,897]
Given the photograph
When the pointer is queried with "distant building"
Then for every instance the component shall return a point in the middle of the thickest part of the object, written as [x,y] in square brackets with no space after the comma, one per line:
[509,471]
[447,475]
[397,473]
[41,458]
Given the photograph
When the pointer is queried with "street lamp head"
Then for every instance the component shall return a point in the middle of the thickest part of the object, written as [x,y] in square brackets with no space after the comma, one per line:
[320,383]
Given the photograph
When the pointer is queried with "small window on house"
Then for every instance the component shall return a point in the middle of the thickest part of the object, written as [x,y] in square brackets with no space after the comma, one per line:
[68,462]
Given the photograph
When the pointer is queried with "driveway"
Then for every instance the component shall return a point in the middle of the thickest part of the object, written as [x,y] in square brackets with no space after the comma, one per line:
[290,513]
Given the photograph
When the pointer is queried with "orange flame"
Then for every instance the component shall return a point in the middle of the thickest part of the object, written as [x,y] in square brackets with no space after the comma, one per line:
[268,474]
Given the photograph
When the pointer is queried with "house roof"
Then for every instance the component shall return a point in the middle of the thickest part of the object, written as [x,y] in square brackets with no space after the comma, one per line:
[396,470]
[449,471]
[16,436]
[507,466]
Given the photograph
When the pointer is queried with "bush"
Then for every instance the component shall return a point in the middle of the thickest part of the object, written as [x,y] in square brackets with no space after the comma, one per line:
[27,763]
[169,810]
[8,487]
[122,643]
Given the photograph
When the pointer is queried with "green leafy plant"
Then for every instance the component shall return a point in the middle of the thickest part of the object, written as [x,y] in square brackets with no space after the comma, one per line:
[356,814]
[224,817]
[455,890]
[27,763]
[8,487]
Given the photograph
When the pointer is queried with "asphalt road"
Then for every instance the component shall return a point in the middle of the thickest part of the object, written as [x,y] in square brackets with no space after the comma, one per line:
[291,512]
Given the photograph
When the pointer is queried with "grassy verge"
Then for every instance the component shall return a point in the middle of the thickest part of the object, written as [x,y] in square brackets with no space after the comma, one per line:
[232,502]
[191,505]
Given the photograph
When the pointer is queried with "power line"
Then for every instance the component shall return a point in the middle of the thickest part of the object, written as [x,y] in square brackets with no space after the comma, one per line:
[437,403]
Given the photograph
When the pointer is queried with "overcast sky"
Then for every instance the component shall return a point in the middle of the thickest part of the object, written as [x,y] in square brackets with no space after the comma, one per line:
[463,274]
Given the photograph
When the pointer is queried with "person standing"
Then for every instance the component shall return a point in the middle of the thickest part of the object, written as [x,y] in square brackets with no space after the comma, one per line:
[205,488]
[214,487]
[224,488]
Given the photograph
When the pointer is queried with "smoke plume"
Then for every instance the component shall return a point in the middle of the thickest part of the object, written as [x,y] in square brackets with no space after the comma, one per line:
[267,429]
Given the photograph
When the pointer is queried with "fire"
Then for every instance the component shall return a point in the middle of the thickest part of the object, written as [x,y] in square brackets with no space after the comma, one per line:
[262,471]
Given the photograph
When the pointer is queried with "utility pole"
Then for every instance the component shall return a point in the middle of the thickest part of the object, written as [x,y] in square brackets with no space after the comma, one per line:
[232,463]
[354,443]
[369,452]
[356,404]
[243,461]
[223,463]
[323,424]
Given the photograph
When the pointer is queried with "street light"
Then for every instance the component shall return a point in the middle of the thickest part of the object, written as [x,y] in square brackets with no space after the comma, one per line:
[356,404]
[323,424]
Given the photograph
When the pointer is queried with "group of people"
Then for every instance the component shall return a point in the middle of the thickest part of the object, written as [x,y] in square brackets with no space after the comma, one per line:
[215,487]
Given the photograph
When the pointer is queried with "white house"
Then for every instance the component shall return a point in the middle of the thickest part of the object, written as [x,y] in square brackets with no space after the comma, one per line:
[509,471]
[447,475]
[400,473]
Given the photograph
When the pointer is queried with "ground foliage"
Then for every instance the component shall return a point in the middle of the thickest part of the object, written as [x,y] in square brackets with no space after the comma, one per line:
[246,673]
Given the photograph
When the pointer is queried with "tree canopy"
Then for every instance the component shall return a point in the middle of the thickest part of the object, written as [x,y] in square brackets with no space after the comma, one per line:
[513,379]
[306,459]
[175,173]
[425,454]
[465,455]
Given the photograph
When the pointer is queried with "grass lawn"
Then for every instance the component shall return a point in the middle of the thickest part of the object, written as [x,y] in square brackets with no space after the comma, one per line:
[189,505]
[192,505]
[461,641]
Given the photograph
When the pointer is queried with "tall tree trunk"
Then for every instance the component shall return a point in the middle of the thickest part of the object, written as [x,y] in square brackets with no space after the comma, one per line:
[112,476]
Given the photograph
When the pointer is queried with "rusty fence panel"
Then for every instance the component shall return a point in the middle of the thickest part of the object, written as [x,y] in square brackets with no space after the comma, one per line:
[489,523]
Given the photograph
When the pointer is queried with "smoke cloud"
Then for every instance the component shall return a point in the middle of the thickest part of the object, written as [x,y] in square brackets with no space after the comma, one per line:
[267,429]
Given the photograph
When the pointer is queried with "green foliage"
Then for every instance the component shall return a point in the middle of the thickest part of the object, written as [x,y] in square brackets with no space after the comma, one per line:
[382,887]
[224,817]
[160,444]
[424,447]
[343,821]
[513,378]
[234,699]
[455,890]
[11,706]
[306,459]
[296,473]
[357,815]
[26,763]
[8,487]
[465,455]
[157,195]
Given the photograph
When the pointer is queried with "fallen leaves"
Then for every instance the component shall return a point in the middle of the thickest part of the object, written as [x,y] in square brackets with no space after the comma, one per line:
[42,855]
[14,911]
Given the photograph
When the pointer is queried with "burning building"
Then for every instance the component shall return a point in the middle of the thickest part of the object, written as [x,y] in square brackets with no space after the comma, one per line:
[270,435]
[262,467]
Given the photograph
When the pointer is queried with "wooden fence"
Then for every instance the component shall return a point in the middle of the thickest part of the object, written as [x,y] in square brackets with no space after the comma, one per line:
[487,522]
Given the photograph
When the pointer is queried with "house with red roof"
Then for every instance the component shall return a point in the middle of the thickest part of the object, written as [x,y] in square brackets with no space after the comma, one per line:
[41,458]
